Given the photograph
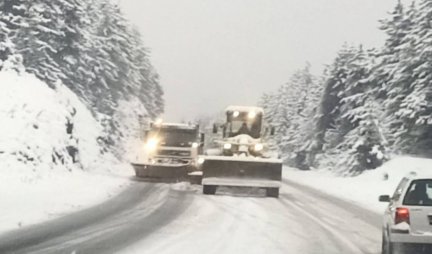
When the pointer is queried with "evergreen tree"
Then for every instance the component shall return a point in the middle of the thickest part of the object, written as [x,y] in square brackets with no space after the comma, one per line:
[347,127]
[394,71]
[91,48]
[11,14]
[373,102]
[330,104]
[290,110]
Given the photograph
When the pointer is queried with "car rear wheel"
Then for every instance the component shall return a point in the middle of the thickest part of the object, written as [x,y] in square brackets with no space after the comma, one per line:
[209,189]
[387,247]
[272,192]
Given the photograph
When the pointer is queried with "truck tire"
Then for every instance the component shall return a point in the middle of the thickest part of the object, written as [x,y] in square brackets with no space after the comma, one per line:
[272,192]
[387,247]
[209,189]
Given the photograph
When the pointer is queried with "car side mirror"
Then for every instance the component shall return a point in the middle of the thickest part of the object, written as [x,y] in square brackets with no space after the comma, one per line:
[272,131]
[384,198]
[215,129]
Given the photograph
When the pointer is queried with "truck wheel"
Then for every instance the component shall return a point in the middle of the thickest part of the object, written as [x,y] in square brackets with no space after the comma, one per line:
[209,189]
[272,192]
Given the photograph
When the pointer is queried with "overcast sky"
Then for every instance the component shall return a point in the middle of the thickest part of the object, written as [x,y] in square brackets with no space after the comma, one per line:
[212,53]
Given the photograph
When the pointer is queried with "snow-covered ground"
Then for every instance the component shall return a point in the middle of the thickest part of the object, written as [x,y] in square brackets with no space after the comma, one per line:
[245,221]
[27,199]
[50,158]
[364,189]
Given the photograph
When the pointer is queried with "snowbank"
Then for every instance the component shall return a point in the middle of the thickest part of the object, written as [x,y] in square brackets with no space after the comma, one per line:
[41,127]
[50,158]
[364,189]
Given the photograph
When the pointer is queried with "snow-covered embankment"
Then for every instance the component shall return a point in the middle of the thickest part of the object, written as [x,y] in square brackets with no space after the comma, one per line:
[50,157]
[364,189]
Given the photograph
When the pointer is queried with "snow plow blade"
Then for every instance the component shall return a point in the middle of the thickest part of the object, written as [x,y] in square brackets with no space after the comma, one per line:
[243,172]
[165,173]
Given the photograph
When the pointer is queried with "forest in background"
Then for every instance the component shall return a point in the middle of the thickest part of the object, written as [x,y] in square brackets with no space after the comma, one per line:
[91,47]
[368,105]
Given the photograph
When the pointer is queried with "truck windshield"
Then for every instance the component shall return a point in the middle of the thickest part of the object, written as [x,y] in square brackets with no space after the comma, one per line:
[419,193]
[243,125]
[175,137]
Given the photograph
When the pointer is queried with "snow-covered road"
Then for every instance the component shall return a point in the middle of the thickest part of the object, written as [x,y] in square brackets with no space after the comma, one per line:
[302,220]
[163,218]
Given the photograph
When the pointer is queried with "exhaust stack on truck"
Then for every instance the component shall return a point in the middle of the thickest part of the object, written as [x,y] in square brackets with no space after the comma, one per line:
[242,157]
[170,152]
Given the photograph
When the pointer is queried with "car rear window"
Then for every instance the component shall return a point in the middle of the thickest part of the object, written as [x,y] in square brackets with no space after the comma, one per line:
[419,193]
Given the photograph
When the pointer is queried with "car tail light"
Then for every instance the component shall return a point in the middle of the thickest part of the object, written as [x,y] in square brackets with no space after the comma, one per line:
[402,215]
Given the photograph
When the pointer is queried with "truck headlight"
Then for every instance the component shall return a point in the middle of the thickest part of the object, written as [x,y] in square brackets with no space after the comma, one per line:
[195,145]
[151,144]
[158,122]
[258,147]
[200,161]
[227,146]
[252,115]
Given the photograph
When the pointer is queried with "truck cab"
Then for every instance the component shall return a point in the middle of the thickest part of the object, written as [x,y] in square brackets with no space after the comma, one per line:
[243,121]
[173,143]
[243,132]
[169,153]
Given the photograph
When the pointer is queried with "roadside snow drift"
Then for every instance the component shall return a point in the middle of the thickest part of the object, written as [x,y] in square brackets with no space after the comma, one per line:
[43,128]
[365,188]
[50,158]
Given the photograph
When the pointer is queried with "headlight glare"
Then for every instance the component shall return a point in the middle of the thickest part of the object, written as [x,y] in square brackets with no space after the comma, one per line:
[258,147]
[151,144]
[252,115]
[201,160]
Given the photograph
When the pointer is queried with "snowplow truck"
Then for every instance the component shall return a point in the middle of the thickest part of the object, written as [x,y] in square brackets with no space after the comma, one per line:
[170,152]
[241,157]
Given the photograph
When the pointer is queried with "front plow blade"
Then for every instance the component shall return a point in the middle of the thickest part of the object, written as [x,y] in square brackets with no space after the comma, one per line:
[165,173]
[241,171]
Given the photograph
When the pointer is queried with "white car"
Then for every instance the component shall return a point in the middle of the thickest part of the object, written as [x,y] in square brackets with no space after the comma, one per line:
[407,224]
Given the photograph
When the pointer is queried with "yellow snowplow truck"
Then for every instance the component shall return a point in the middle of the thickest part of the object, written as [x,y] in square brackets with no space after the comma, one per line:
[170,152]
[242,157]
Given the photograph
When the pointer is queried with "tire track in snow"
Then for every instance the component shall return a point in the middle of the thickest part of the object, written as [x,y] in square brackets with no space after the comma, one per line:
[143,209]
[354,226]
[154,218]
[237,224]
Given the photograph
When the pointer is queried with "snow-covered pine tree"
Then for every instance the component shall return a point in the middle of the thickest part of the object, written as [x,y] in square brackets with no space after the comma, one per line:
[11,15]
[297,109]
[362,147]
[415,109]
[5,43]
[346,128]
[90,47]
[393,71]
[396,27]
[409,100]
[147,88]
[329,109]
[291,110]
[266,102]
[73,52]
[44,34]
[38,38]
